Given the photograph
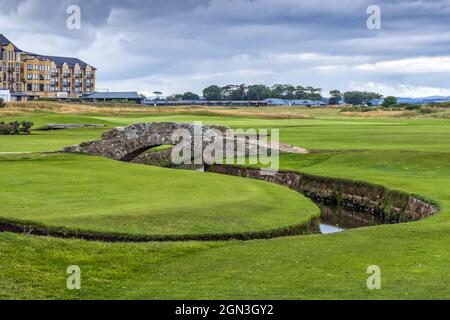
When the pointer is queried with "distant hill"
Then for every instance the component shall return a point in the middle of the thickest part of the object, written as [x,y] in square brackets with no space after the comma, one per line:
[432,99]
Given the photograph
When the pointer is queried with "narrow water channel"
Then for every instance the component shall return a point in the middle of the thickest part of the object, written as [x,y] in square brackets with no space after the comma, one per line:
[335,219]
[329,229]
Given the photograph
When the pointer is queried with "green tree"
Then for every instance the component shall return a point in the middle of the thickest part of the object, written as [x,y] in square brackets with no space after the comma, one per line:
[258,92]
[277,91]
[354,97]
[361,97]
[314,93]
[212,93]
[238,93]
[190,96]
[335,97]
[288,91]
[174,97]
[233,92]
[300,93]
[390,102]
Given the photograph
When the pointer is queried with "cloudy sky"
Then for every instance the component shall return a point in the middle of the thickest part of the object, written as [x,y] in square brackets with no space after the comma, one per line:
[186,45]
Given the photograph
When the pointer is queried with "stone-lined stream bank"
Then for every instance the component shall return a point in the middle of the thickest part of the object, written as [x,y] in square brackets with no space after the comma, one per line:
[344,203]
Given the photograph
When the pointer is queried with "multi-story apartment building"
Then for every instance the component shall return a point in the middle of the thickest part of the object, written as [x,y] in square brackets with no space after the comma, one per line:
[28,75]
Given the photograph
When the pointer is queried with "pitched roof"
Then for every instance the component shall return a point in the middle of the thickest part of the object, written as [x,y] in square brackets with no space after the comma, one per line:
[59,61]
[113,95]
[5,41]
[71,62]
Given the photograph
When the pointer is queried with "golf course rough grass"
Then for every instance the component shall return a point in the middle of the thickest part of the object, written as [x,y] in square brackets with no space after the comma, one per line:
[94,195]
[409,155]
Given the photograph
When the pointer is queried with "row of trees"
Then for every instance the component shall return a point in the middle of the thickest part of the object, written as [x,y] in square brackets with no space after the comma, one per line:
[261,92]
[252,92]
[283,91]
[354,97]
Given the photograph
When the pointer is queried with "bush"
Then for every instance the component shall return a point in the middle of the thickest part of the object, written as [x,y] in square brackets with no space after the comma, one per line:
[25,127]
[74,100]
[427,110]
[16,127]
[390,102]
[9,128]
[2,104]
[46,99]
[358,109]
[410,107]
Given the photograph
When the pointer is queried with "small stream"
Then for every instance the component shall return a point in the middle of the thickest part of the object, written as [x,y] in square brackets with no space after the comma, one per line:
[335,219]
[329,229]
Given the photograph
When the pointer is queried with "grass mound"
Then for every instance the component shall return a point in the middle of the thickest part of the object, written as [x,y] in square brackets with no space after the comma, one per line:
[103,197]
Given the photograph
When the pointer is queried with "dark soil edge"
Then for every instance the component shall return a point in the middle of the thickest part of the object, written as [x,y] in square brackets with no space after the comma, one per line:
[29,228]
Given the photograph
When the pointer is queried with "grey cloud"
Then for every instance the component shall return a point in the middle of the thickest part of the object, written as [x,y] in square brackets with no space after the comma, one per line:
[237,40]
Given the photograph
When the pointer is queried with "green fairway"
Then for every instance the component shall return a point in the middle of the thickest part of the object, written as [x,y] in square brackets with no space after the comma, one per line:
[324,131]
[95,194]
[410,155]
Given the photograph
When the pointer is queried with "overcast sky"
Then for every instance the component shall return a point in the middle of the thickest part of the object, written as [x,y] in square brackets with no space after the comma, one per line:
[185,45]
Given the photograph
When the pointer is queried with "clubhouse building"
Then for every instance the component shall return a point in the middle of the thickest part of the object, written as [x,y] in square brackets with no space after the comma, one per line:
[28,76]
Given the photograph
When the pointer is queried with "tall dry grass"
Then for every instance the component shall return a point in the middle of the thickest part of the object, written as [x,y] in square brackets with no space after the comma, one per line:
[125,109]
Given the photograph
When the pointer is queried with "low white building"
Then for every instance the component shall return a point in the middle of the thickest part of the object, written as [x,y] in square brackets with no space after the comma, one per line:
[5,95]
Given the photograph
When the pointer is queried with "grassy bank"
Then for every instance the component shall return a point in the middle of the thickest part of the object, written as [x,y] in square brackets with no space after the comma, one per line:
[406,154]
[90,194]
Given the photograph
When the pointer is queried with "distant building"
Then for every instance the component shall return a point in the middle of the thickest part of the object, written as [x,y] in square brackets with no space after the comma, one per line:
[29,75]
[294,102]
[224,103]
[114,97]
[237,103]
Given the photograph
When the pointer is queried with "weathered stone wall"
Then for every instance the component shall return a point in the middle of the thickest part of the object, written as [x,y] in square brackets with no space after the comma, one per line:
[378,202]
[126,144]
